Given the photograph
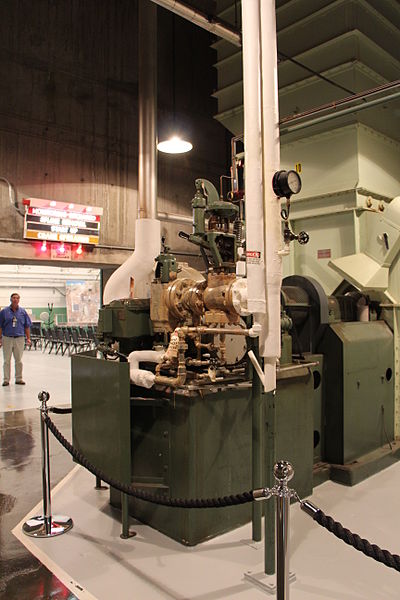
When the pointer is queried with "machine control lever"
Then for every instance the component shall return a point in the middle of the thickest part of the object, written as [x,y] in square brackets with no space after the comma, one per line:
[386,240]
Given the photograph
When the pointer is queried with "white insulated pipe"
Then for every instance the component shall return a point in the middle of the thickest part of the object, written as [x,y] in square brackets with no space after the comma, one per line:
[132,279]
[141,376]
[262,155]
[256,300]
[270,347]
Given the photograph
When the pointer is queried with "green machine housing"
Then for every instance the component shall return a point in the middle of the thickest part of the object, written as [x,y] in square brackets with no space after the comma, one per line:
[332,415]
[354,400]
[187,443]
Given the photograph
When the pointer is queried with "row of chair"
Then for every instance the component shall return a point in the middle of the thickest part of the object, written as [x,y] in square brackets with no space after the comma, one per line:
[63,339]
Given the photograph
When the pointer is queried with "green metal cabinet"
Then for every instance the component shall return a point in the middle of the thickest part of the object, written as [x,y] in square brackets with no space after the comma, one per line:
[189,443]
[100,413]
[294,427]
[192,445]
[359,404]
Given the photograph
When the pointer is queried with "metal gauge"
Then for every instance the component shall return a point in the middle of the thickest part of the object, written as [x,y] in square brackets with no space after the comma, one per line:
[286,183]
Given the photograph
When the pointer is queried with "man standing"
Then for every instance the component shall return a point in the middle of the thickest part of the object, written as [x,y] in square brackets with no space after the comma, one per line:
[14,326]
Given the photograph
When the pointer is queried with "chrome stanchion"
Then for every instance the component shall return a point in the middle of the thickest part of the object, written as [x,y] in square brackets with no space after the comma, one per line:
[46,525]
[283,472]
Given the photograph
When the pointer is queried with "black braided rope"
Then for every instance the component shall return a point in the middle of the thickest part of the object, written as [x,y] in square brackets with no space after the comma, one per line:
[352,539]
[232,500]
[60,411]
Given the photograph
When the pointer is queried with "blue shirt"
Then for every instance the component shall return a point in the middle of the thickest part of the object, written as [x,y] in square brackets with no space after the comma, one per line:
[13,323]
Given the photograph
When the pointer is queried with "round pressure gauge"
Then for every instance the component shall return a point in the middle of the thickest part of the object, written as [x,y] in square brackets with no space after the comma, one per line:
[286,183]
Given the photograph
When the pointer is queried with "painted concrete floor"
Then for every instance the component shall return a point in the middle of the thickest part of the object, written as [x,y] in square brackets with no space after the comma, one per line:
[96,564]
[42,371]
[92,562]
[22,576]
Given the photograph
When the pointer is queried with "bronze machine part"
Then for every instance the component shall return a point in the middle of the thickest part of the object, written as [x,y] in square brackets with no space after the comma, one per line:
[187,299]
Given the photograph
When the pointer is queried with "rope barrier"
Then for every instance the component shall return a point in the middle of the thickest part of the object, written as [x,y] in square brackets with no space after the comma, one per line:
[232,500]
[60,411]
[352,539]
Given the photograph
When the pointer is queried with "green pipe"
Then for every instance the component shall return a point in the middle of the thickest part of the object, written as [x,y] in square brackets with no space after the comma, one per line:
[269,510]
[125,516]
[257,446]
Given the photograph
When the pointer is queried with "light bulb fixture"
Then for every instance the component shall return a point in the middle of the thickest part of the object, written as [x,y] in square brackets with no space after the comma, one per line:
[79,249]
[61,249]
[174,145]
[43,247]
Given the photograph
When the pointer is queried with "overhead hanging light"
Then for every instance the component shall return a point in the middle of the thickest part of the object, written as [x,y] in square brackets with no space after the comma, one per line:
[174,144]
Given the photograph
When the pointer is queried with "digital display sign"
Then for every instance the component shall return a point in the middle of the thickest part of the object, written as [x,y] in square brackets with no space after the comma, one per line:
[61,221]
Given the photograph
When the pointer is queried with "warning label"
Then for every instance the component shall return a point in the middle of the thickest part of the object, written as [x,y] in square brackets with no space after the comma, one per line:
[253,257]
[325,253]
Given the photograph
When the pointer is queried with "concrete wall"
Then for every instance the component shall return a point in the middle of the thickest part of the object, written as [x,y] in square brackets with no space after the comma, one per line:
[68,106]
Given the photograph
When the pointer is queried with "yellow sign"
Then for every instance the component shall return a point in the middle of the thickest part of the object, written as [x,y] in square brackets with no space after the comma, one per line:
[298,167]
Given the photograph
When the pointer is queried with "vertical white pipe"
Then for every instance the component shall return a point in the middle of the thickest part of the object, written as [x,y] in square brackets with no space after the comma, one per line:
[270,347]
[147,70]
[133,277]
[256,300]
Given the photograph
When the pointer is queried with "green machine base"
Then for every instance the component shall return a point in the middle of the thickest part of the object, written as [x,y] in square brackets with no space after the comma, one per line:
[189,443]
[358,470]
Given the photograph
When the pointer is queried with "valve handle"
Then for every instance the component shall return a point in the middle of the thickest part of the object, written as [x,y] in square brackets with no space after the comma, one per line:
[289,236]
[303,237]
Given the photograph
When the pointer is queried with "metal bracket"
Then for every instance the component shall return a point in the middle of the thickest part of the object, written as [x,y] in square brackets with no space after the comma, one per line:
[266,583]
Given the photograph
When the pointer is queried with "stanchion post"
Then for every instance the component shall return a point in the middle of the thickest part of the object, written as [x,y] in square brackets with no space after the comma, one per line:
[46,525]
[283,472]
[44,436]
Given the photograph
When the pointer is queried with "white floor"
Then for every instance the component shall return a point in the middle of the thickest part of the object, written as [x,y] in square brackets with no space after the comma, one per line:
[96,564]
[41,371]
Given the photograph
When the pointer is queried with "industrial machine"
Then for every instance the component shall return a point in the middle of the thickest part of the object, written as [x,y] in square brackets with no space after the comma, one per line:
[167,400]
